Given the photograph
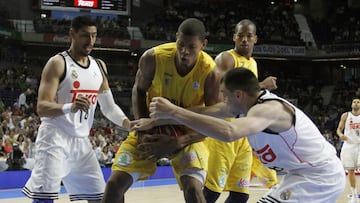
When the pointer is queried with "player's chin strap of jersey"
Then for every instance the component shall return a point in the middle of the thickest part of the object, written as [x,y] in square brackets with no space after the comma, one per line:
[111,110]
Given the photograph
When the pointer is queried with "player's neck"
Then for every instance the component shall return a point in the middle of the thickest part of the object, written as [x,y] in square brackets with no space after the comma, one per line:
[247,56]
[79,58]
[355,112]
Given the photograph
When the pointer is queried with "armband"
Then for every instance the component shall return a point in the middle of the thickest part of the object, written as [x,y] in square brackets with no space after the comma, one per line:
[66,108]
[111,110]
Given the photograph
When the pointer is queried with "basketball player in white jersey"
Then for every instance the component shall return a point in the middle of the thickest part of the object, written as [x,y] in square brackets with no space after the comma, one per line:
[72,83]
[281,135]
[349,131]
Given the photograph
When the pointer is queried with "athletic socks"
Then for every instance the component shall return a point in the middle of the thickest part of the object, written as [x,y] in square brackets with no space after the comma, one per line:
[210,195]
[237,197]
[354,198]
[43,201]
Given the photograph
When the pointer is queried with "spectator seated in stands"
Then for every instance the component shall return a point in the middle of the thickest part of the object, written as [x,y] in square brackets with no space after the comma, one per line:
[16,160]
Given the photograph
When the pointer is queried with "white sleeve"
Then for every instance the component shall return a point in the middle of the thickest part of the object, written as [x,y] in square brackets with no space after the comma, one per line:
[111,110]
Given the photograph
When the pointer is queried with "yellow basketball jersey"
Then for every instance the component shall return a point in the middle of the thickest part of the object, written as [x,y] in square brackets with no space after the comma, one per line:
[184,91]
[241,61]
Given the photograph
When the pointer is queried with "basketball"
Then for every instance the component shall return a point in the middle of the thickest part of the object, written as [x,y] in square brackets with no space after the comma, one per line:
[164,130]
[169,130]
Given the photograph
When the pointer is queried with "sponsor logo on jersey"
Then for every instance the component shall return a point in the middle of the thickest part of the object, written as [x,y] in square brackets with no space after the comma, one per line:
[74,74]
[188,158]
[90,94]
[196,85]
[354,125]
[243,183]
[222,181]
[266,154]
[124,159]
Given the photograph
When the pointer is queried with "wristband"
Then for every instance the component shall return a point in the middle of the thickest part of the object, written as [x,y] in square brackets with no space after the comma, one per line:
[66,108]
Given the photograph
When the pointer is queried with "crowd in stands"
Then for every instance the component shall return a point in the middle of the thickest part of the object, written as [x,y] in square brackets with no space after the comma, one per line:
[4,19]
[107,27]
[340,25]
[277,22]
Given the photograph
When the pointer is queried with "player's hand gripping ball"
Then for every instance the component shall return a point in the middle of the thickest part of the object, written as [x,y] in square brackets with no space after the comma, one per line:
[165,130]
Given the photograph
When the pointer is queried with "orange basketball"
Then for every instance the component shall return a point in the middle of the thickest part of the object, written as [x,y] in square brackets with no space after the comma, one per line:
[170,130]
[164,130]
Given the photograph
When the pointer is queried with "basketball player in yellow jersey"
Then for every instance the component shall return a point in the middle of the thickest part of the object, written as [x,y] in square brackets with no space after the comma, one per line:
[230,164]
[185,75]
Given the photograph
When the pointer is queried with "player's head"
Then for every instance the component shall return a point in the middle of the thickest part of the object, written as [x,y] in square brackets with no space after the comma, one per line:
[83,34]
[190,40]
[245,37]
[237,85]
[355,104]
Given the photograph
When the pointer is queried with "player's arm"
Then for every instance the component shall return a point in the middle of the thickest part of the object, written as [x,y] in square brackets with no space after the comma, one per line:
[269,83]
[107,104]
[341,126]
[143,80]
[224,62]
[219,110]
[50,79]
[271,115]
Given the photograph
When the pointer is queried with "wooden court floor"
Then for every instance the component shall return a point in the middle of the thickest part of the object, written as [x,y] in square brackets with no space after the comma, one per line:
[169,193]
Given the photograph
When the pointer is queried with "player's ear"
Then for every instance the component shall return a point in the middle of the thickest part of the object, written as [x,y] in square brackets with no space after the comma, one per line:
[204,44]
[239,94]
[71,32]
[234,37]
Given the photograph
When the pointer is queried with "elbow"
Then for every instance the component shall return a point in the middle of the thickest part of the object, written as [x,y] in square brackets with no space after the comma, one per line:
[39,110]
[229,138]
[42,109]
[230,135]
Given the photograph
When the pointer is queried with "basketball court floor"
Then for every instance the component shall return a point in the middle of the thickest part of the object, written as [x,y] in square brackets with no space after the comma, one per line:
[153,191]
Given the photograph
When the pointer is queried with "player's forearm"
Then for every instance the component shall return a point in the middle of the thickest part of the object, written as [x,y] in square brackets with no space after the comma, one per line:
[188,139]
[49,109]
[159,122]
[340,133]
[139,104]
[206,125]
[219,110]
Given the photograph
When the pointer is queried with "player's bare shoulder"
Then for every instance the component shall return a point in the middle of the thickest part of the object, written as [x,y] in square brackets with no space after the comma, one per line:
[54,67]
[103,64]
[224,61]
[147,63]
[147,58]
[344,116]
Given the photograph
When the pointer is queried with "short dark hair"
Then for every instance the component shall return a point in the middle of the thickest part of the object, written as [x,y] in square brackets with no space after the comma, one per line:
[245,22]
[81,21]
[192,27]
[241,79]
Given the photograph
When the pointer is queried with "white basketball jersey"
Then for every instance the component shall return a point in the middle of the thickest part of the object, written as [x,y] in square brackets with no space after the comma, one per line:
[302,146]
[352,128]
[78,80]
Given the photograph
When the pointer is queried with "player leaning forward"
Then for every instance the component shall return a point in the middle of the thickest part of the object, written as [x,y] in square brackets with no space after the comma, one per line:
[72,84]
[284,137]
